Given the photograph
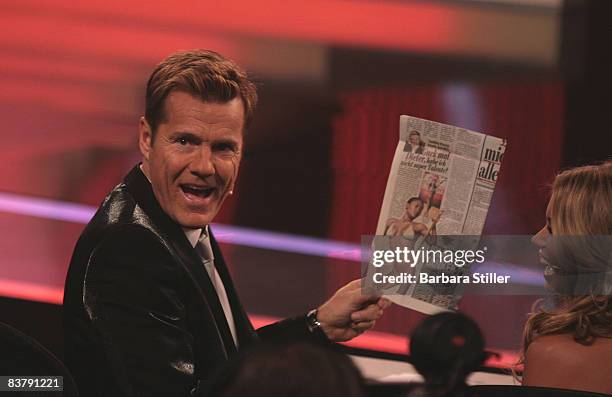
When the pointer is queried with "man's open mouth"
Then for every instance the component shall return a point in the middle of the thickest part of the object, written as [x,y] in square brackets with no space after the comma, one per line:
[202,192]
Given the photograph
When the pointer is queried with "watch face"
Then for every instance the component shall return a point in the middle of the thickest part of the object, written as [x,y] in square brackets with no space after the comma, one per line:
[311,320]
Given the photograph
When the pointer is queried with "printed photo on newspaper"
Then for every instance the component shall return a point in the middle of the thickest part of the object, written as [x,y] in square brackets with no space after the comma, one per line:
[435,205]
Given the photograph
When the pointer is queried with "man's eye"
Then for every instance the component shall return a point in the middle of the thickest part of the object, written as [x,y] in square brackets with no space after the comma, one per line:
[183,141]
[224,147]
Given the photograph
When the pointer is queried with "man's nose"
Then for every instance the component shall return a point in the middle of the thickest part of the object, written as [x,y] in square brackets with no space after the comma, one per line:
[202,163]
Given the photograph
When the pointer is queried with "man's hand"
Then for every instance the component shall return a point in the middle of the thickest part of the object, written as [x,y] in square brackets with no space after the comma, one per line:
[348,313]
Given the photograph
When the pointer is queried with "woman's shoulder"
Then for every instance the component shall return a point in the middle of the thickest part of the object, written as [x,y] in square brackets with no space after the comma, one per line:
[559,361]
[559,345]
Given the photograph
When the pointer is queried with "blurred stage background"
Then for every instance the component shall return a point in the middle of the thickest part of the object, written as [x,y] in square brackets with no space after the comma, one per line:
[333,77]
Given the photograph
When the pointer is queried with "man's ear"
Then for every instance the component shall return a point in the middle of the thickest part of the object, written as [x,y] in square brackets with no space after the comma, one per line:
[236,168]
[145,138]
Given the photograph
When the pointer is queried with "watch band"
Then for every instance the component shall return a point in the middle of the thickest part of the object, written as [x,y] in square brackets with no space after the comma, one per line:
[312,322]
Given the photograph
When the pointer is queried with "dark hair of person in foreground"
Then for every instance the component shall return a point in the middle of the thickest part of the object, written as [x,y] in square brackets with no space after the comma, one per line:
[295,370]
[445,348]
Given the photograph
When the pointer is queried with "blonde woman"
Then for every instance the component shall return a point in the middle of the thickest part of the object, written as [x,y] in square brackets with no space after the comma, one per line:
[570,345]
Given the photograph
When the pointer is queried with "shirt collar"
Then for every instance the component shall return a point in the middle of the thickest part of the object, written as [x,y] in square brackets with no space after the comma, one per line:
[194,235]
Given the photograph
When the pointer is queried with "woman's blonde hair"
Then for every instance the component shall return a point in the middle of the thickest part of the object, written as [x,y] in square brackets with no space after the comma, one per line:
[580,201]
[580,205]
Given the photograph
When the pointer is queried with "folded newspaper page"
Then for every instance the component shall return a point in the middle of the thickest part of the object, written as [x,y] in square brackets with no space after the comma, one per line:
[435,205]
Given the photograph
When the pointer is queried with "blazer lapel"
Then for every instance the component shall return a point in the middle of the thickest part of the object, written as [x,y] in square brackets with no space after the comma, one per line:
[194,265]
[246,333]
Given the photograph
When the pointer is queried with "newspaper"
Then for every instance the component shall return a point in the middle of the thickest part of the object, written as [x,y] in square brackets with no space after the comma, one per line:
[440,185]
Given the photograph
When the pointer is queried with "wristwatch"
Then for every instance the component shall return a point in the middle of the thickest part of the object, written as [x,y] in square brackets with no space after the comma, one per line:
[312,322]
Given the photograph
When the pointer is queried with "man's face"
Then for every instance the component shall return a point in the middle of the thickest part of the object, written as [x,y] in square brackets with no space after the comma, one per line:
[193,161]
[414,208]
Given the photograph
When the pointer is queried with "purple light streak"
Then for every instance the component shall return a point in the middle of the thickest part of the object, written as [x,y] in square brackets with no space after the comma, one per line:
[45,208]
[79,213]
